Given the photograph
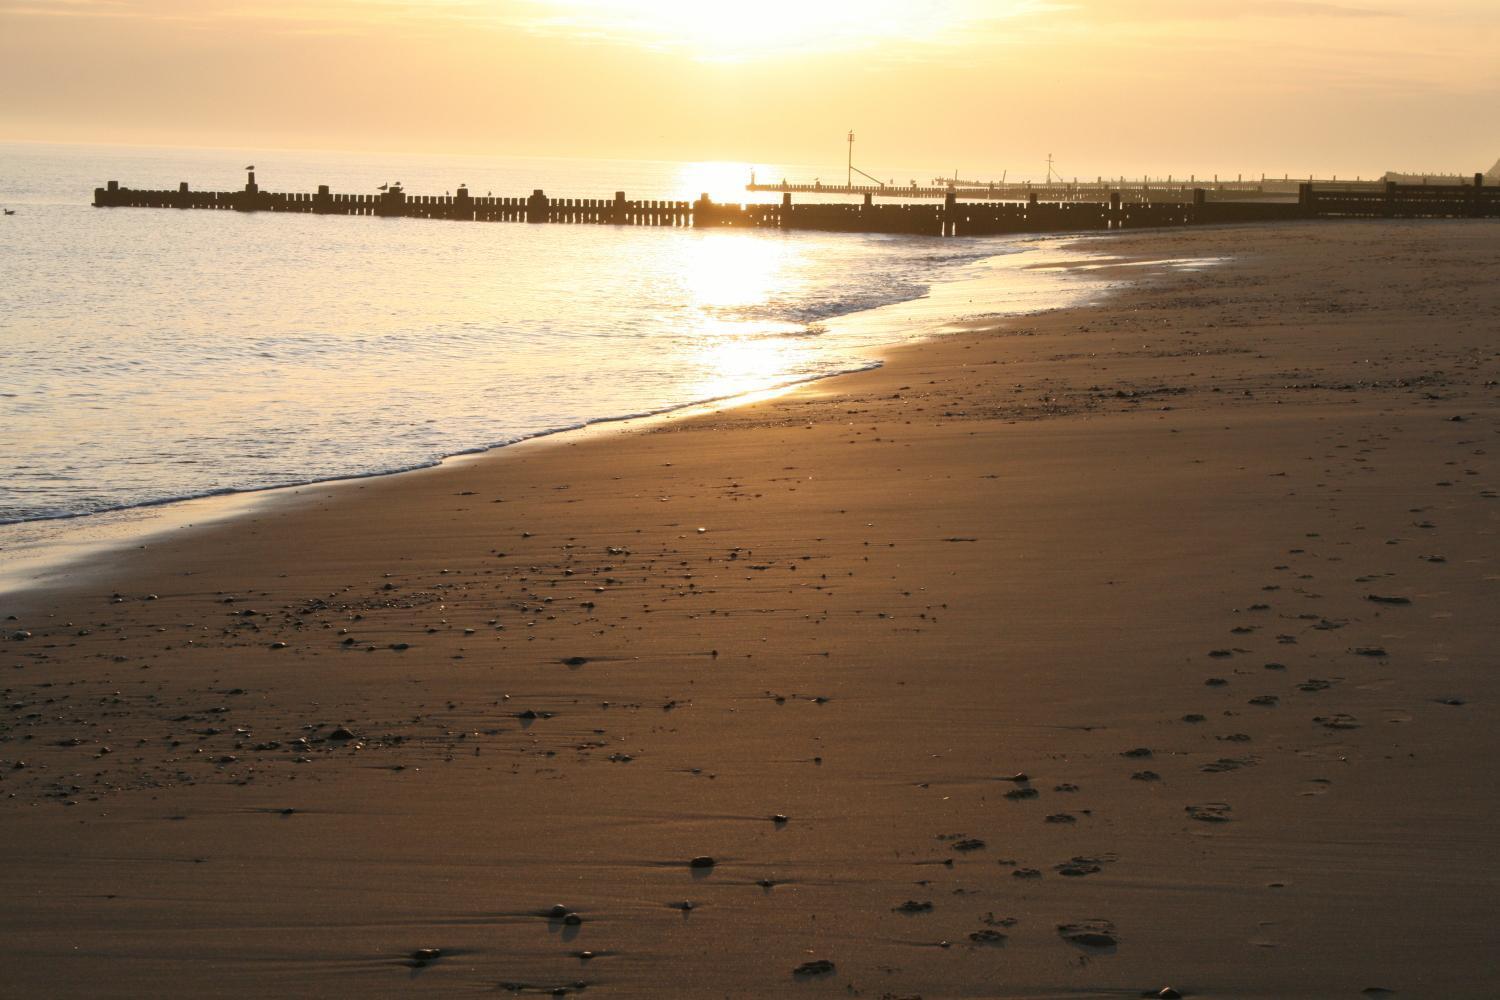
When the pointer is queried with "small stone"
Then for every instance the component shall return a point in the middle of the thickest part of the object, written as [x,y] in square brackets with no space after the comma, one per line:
[779,819]
[913,906]
[702,861]
[572,920]
[558,911]
[1145,776]
[817,967]
[424,955]
[342,733]
[575,661]
[278,645]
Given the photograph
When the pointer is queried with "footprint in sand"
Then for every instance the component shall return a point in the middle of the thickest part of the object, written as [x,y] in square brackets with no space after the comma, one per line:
[1209,812]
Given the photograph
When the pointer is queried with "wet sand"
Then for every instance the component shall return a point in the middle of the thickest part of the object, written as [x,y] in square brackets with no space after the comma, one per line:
[1148,644]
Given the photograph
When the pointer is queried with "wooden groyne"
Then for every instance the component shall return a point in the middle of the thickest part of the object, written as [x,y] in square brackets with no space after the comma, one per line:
[1109,211]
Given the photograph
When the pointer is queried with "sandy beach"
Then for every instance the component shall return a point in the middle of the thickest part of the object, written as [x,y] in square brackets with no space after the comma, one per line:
[1141,645]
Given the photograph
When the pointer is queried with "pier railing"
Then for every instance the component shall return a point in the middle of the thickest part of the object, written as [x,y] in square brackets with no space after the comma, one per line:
[951,218]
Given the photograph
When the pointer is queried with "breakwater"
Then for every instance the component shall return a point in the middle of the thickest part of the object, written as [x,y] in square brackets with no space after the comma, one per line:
[1111,210]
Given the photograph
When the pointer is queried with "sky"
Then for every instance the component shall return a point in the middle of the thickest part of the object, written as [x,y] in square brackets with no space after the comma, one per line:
[985,87]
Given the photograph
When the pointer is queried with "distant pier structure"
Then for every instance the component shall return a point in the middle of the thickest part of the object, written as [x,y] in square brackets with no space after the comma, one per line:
[1034,211]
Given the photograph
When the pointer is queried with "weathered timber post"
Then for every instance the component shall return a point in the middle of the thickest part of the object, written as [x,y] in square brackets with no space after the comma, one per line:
[392,203]
[784,219]
[950,214]
[702,209]
[247,201]
[1200,198]
[182,195]
[1031,201]
[323,201]
[869,199]
[617,210]
[1389,207]
[1116,221]
[1306,198]
[1476,197]
[536,207]
[463,206]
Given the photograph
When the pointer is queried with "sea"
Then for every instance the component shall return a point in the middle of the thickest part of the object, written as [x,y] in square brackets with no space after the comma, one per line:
[150,357]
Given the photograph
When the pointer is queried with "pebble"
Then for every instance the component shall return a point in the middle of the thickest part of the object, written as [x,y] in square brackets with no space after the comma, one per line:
[702,861]
[342,733]
[817,967]
[558,911]
[424,955]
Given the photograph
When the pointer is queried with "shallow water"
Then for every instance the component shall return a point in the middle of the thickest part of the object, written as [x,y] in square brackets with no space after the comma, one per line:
[153,355]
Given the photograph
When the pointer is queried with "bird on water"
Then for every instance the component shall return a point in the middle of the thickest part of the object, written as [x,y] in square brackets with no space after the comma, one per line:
[10,211]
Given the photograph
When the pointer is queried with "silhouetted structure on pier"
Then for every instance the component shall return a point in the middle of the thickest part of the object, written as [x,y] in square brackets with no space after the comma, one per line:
[1111,210]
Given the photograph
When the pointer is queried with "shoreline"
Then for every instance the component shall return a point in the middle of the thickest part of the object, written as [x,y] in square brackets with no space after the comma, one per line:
[59,548]
[1147,643]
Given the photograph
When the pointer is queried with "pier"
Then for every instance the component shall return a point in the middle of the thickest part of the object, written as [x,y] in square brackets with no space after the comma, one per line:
[1103,209]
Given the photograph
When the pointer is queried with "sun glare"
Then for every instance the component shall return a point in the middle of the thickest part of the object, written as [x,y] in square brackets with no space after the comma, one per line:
[722,32]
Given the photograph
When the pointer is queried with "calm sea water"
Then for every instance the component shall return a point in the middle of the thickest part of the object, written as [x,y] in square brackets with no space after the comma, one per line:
[152,355]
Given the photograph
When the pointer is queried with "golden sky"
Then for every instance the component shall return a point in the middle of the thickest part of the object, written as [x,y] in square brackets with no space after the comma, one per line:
[1108,86]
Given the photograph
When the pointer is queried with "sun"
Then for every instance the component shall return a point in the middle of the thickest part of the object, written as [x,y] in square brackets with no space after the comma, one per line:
[734,32]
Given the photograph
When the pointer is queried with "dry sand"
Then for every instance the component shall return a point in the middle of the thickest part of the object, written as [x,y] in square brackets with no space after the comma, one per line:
[1213,564]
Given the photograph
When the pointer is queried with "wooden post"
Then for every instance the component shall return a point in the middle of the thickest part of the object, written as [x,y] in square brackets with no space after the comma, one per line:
[617,211]
[1116,218]
[1390,199]
[950,214]
[1306,199]
[536,207]
[463,205]
[1476,197]
[702,209]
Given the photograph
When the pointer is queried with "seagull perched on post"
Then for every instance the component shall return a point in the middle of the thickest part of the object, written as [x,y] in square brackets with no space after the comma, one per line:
[250,167]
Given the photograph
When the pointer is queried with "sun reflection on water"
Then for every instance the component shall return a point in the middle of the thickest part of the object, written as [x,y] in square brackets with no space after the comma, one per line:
[728,281]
